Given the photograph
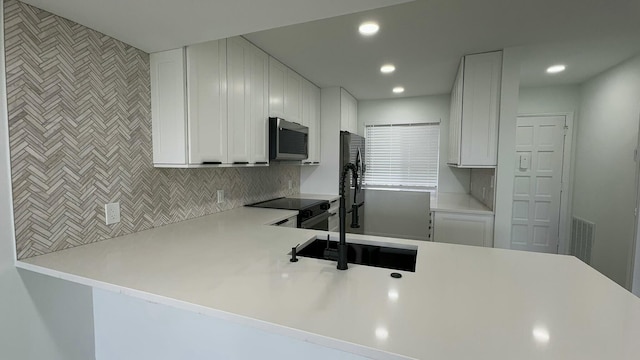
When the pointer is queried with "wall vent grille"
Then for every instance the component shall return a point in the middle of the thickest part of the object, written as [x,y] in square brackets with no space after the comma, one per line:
[583,235]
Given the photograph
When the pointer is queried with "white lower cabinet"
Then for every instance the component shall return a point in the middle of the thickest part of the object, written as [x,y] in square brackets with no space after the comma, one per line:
[463,228]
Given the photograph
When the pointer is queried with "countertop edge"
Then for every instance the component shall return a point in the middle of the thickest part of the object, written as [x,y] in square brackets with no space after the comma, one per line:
[262,325]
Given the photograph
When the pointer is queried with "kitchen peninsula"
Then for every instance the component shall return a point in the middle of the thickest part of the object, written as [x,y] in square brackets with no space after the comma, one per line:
[462,302]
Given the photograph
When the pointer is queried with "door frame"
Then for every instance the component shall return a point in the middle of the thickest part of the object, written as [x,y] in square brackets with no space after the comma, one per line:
[566,195]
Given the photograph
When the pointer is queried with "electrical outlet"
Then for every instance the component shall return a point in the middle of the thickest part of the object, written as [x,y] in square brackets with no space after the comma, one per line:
[112,213]
[493,180]
[290,184]
[220,196]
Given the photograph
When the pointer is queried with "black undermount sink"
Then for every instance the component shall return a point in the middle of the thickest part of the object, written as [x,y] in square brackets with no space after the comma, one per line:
[363,254]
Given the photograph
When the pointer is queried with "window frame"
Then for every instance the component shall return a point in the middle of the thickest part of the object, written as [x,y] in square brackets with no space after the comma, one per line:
[400,187]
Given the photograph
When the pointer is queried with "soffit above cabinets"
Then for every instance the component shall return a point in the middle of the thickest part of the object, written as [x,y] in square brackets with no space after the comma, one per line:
[156,25]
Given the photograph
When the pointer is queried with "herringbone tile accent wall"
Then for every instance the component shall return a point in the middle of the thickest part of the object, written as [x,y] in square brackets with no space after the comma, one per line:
[80,137]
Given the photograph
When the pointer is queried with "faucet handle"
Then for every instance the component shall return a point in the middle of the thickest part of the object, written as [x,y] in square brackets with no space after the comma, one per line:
[294,251]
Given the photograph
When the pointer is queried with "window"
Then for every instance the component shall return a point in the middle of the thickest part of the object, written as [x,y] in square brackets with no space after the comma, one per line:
[402,155]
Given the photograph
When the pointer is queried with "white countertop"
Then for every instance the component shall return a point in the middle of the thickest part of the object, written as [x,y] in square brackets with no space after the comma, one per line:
[462,302]
[457,202]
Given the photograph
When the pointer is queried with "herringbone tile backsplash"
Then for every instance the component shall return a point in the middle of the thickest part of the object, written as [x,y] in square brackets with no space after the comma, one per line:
[80,137]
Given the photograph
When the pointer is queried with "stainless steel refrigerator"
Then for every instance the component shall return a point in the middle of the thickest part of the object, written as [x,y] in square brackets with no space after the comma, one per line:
[352,150]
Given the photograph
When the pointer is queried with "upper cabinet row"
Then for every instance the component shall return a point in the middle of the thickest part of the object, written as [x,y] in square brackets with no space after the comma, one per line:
[296,99]
[211,103]
[475,110]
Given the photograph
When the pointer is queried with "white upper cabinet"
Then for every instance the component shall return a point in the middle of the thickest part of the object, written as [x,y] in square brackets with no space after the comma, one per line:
[293,97]
[189,122]
[311,119]
[475,107]
[168,107]
[207,102]
[277,81]
[455,117]
[348,112]
[210,104]
[285,92]
[259,107]
[247,79]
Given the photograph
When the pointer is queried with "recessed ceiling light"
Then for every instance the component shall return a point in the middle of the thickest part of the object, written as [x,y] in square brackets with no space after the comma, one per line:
[388,68]
[556,69]
[368,28]
[398,90]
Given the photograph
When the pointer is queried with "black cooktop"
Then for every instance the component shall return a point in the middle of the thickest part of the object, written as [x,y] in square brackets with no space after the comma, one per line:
[288,203]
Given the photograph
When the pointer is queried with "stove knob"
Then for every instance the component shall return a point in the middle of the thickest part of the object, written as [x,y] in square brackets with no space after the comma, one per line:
[325,206]
[306,213]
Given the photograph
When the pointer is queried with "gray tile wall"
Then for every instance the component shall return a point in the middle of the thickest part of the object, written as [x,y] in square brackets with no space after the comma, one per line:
[80,137]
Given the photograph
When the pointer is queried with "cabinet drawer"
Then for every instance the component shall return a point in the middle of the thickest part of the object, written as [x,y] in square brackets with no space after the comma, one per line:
[463,229]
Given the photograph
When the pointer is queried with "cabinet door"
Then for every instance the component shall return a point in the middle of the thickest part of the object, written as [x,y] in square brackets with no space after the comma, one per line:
[277,81]
[348,112]
[207,102]
[353,115]
[480,109]
[317,126]
[455,117]
[168,108]
[293,97]
[311,118]
[239,119]
[344,110]
[463,229]
[247,69]
[259,91]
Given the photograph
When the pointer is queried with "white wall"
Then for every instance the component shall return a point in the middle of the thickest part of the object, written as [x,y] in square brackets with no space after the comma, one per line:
[605,171]
[549,99]
[40,317]
[134,329]
[420,109]
[511,60]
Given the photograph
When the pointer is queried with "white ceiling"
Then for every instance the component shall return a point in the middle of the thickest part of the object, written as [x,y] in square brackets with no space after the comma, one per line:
[155,25]
[583,58]
[423,38]
[426,38]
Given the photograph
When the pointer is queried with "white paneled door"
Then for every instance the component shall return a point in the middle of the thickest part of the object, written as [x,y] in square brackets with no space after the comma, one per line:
[537,187]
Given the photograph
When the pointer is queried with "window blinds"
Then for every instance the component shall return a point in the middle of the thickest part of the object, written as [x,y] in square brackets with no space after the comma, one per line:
[402,155]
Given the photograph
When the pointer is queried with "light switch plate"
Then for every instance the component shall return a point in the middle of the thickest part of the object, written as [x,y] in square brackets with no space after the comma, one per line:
[524,162]
[220,194]
[112,213]
[290,184]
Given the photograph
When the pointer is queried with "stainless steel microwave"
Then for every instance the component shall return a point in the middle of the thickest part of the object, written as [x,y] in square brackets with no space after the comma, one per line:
[287,140]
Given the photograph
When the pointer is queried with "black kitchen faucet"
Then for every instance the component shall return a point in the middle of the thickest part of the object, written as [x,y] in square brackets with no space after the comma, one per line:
[342,245]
